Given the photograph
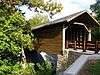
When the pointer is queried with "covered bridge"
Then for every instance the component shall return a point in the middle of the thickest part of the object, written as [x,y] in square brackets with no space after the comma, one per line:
[73,31]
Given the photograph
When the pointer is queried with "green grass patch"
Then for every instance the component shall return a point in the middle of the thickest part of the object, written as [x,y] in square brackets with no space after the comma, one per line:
[95,68]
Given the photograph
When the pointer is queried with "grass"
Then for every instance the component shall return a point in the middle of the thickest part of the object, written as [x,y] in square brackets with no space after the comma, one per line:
[95,68]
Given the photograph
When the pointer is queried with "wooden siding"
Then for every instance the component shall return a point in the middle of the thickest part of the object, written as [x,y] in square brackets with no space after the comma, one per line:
[50,39]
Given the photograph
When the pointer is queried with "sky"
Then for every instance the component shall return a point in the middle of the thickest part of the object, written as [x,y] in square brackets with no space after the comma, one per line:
[69,7]
[72,6]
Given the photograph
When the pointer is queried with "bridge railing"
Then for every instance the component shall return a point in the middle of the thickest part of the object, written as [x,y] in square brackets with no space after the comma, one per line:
[85,45]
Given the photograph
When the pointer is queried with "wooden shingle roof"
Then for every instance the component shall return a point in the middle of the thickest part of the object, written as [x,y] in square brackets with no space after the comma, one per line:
[65,19]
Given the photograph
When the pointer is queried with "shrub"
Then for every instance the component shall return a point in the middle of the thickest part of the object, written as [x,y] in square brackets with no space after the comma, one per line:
[37,69]
[96,34]
[10,70]
[28,70]
[44,69]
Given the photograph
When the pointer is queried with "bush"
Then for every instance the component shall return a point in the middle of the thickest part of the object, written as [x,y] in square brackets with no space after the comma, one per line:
[44,69]
[10,70]
[37,69]
[96,34]
[29,69]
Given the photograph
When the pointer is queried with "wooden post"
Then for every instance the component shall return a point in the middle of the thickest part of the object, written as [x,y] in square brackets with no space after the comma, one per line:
[79,39]
[67,44]
[66,34]
[89,35]
[63,39]
[84,41]
[75,38]
[96,47]
[75,45]
[84,50]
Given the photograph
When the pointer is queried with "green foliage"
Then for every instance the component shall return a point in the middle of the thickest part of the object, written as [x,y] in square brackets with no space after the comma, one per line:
[96,8]
[28,70]
[11,2]
[17,70]
[12,34]
[15,34]
[37,20]
[13,37]
[96,34]
[10,70]
[95,68]
[44,69]
[50,5]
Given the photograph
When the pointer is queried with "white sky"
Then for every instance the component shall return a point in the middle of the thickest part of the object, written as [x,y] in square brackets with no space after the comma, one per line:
[69,7]
[72,6]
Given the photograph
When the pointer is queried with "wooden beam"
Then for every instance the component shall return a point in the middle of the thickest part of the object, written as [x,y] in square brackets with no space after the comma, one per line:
[79,38]
[67,42]
[84,42]
[82,24]
[96,47]
[89,35]
[75,40]
[93,19]
[75,45]
[63,38]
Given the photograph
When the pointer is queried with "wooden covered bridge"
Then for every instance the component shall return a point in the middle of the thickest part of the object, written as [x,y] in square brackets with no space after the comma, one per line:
[73,31]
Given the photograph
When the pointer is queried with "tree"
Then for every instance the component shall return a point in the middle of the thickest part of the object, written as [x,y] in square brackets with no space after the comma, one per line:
[37,20]
[96,34]
[13,37]
[96,31]
[11,2]
[96,9]
[49,6]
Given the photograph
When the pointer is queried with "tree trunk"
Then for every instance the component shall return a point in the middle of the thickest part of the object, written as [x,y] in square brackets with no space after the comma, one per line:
[23,58]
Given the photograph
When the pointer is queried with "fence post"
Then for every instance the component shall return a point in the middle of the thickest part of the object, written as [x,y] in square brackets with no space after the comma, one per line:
[96,47]
[84,44]
[75,45]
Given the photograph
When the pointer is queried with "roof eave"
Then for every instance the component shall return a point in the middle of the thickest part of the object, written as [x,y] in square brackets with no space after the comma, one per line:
[47,24]
[65,19]
[76,16]
[94,19]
